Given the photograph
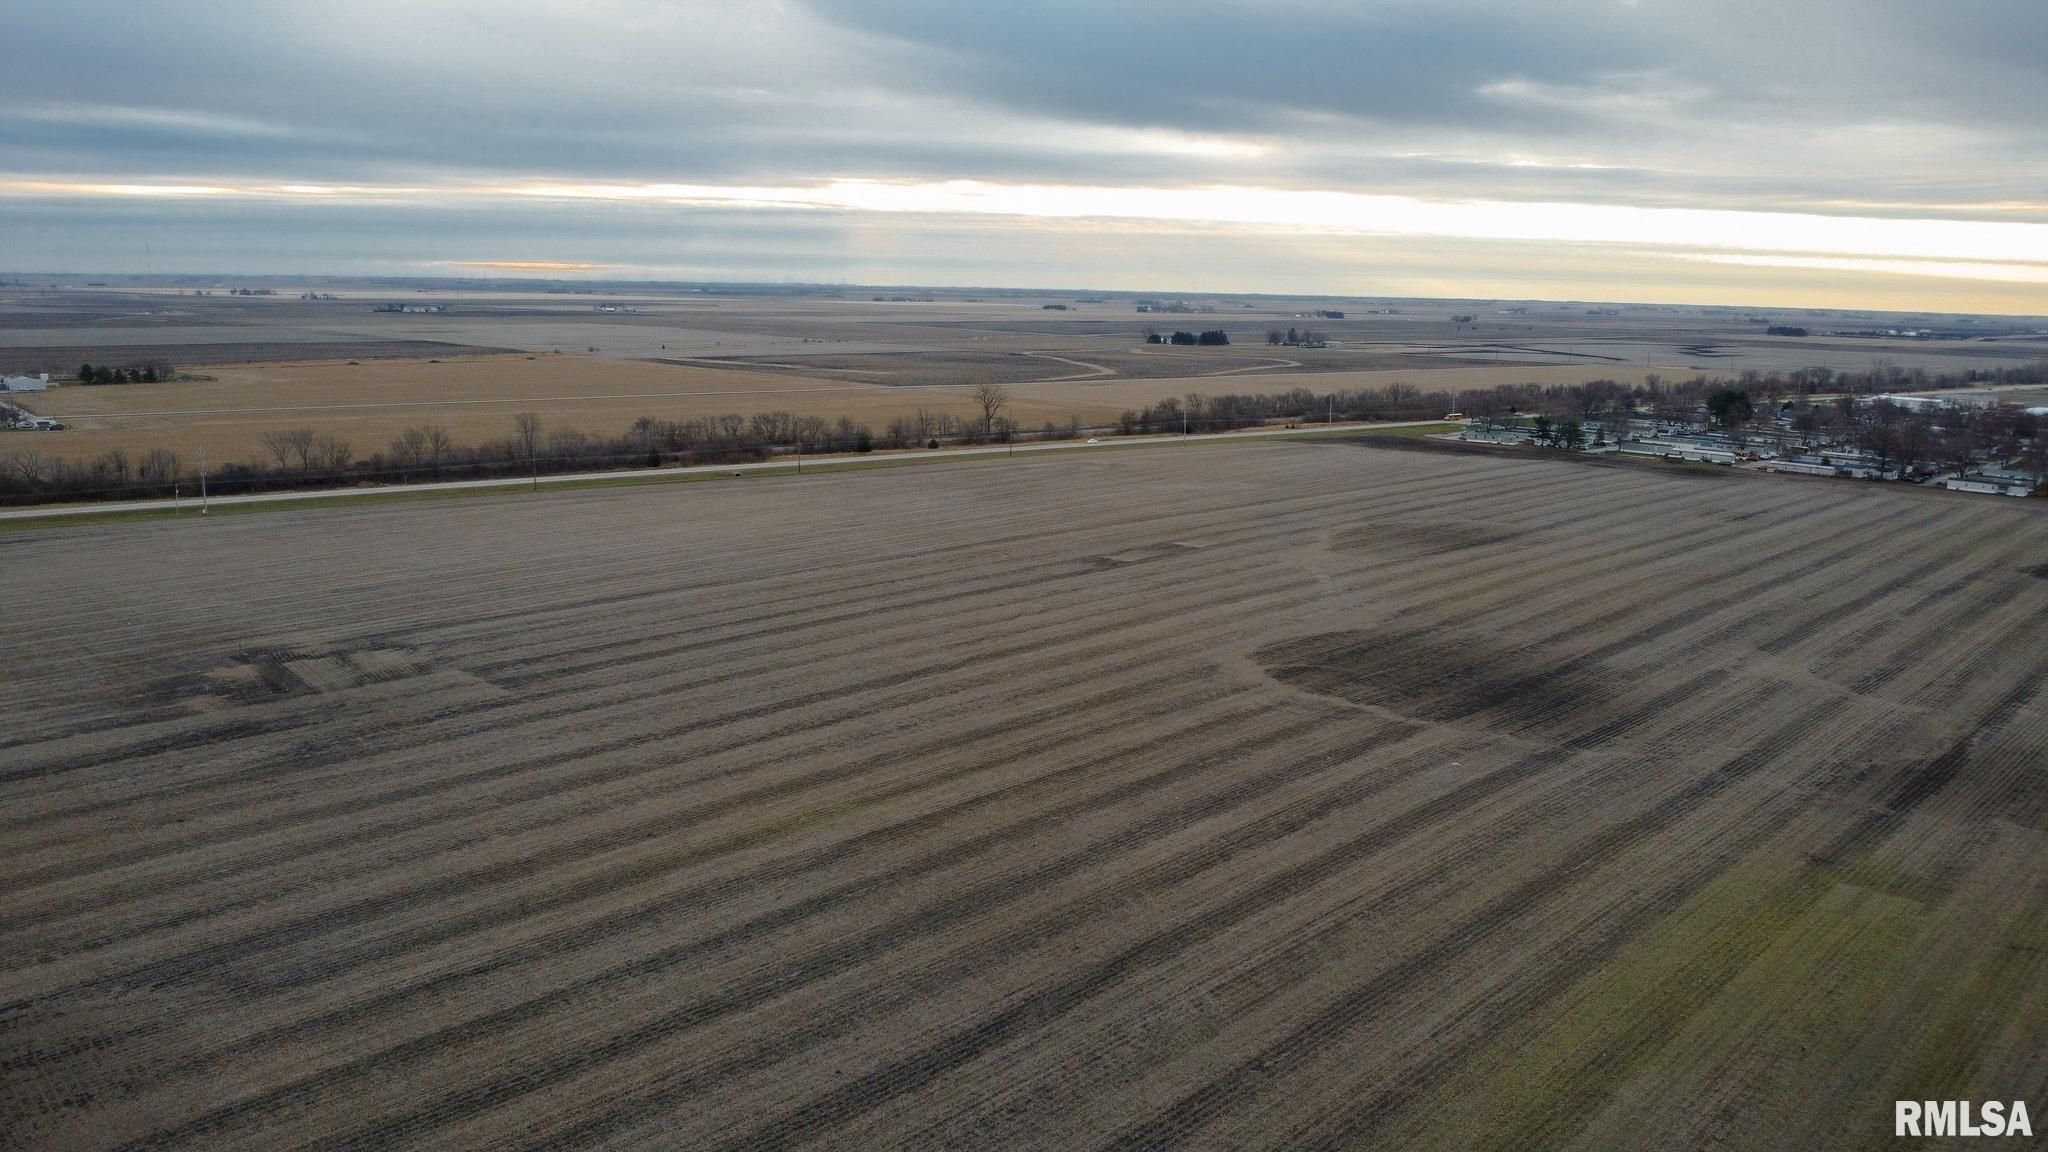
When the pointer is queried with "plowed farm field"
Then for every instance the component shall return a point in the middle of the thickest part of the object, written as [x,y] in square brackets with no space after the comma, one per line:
[1271,795]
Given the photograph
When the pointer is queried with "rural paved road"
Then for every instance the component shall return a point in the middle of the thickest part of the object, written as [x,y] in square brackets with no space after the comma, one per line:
[642,473]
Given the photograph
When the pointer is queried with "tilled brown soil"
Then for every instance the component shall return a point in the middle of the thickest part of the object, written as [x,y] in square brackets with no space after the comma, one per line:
[1248,796]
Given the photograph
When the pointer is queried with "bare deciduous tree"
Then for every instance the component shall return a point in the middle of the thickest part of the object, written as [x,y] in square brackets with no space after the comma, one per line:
[1959,446]
[1879,435]
[159,466]
[27,466]
[812,432]
[991,398]
[330,453]
[567,443]
[439,446]
[409,449]
[1916,441]
[288,444]
[294,444]
[526,435]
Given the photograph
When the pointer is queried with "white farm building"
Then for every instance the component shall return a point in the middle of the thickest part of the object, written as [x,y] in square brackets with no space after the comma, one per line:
[25,383]
[1989,485]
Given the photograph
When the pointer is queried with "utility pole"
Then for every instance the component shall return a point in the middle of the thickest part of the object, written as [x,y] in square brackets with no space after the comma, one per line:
[799,455]
[202,481]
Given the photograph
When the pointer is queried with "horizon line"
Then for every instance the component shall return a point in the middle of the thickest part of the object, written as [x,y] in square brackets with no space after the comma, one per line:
[151,279]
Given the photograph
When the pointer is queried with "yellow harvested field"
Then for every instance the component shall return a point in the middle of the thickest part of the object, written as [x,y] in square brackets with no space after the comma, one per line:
[475,398]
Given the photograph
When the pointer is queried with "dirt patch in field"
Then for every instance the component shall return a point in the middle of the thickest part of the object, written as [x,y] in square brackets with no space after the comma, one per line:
[1438,676]
[264,674]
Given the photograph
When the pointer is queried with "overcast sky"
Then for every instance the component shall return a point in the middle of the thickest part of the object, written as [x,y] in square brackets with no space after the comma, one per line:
[1871,153]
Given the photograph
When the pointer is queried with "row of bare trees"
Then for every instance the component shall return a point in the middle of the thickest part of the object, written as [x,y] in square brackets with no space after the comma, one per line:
[304,457]
[307,451]
[1902,441]
[307,457]
[27,470]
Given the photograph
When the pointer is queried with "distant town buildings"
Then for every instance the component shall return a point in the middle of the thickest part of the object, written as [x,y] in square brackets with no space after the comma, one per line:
[1938,441]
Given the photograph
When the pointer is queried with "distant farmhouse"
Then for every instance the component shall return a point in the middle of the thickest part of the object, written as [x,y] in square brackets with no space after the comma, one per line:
[40,383]
[410,308]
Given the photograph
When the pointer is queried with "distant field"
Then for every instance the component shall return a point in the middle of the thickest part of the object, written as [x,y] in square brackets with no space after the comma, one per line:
[1250,796]
[2026,397]
[681,354]
[475,399]
[1127,360]
[185,355]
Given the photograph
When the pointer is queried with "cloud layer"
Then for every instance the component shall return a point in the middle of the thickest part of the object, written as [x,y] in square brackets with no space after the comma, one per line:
[1872,110]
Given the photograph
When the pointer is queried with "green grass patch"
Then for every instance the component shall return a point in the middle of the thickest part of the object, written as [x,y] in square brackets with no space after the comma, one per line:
[1774,964]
